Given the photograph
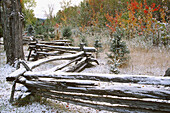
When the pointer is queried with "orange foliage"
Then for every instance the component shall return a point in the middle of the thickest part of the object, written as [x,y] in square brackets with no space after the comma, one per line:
[116,21]
[140,18]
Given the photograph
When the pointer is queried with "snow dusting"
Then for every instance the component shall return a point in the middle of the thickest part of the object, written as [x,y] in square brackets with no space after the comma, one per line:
[35,107]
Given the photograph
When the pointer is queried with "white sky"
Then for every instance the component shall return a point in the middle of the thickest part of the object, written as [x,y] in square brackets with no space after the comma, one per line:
[42,6]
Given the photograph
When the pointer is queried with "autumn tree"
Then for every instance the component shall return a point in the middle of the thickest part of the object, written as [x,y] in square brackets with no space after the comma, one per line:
[12,19]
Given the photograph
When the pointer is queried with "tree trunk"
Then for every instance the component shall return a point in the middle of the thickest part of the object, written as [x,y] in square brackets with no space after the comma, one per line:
[12,30]
[0,18]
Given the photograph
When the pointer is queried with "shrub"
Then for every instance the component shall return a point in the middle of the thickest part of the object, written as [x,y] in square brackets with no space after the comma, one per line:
[52,35]
[67,32]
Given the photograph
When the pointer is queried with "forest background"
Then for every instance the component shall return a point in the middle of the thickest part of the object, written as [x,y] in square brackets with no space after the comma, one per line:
[144,18]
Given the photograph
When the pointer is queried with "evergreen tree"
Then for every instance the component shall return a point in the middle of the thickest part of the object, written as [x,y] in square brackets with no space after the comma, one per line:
[67,32]
[118,51]
[97,45]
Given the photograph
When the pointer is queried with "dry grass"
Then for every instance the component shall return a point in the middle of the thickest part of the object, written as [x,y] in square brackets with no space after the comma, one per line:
[144,58]
[142,62]
[148,61]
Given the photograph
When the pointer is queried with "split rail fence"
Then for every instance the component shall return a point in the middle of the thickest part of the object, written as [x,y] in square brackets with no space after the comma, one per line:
[117,93]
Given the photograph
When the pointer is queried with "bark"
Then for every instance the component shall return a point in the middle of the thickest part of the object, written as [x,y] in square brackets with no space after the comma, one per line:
[66,41]
[75,67]
[125,103]
[109,95]
[56,68]
[55,53]
[54,43]
[5,21]
[120,108]
[138,79]
[1,19]
[12,30]
[86,49]
[101,88]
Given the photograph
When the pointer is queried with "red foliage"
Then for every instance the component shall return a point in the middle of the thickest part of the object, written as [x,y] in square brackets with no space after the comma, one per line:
[134,8]
[145,11]
[156,9]
[153,5]
[146,7]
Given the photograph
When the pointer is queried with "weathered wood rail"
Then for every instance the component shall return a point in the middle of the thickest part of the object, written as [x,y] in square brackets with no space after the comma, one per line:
[1,43]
